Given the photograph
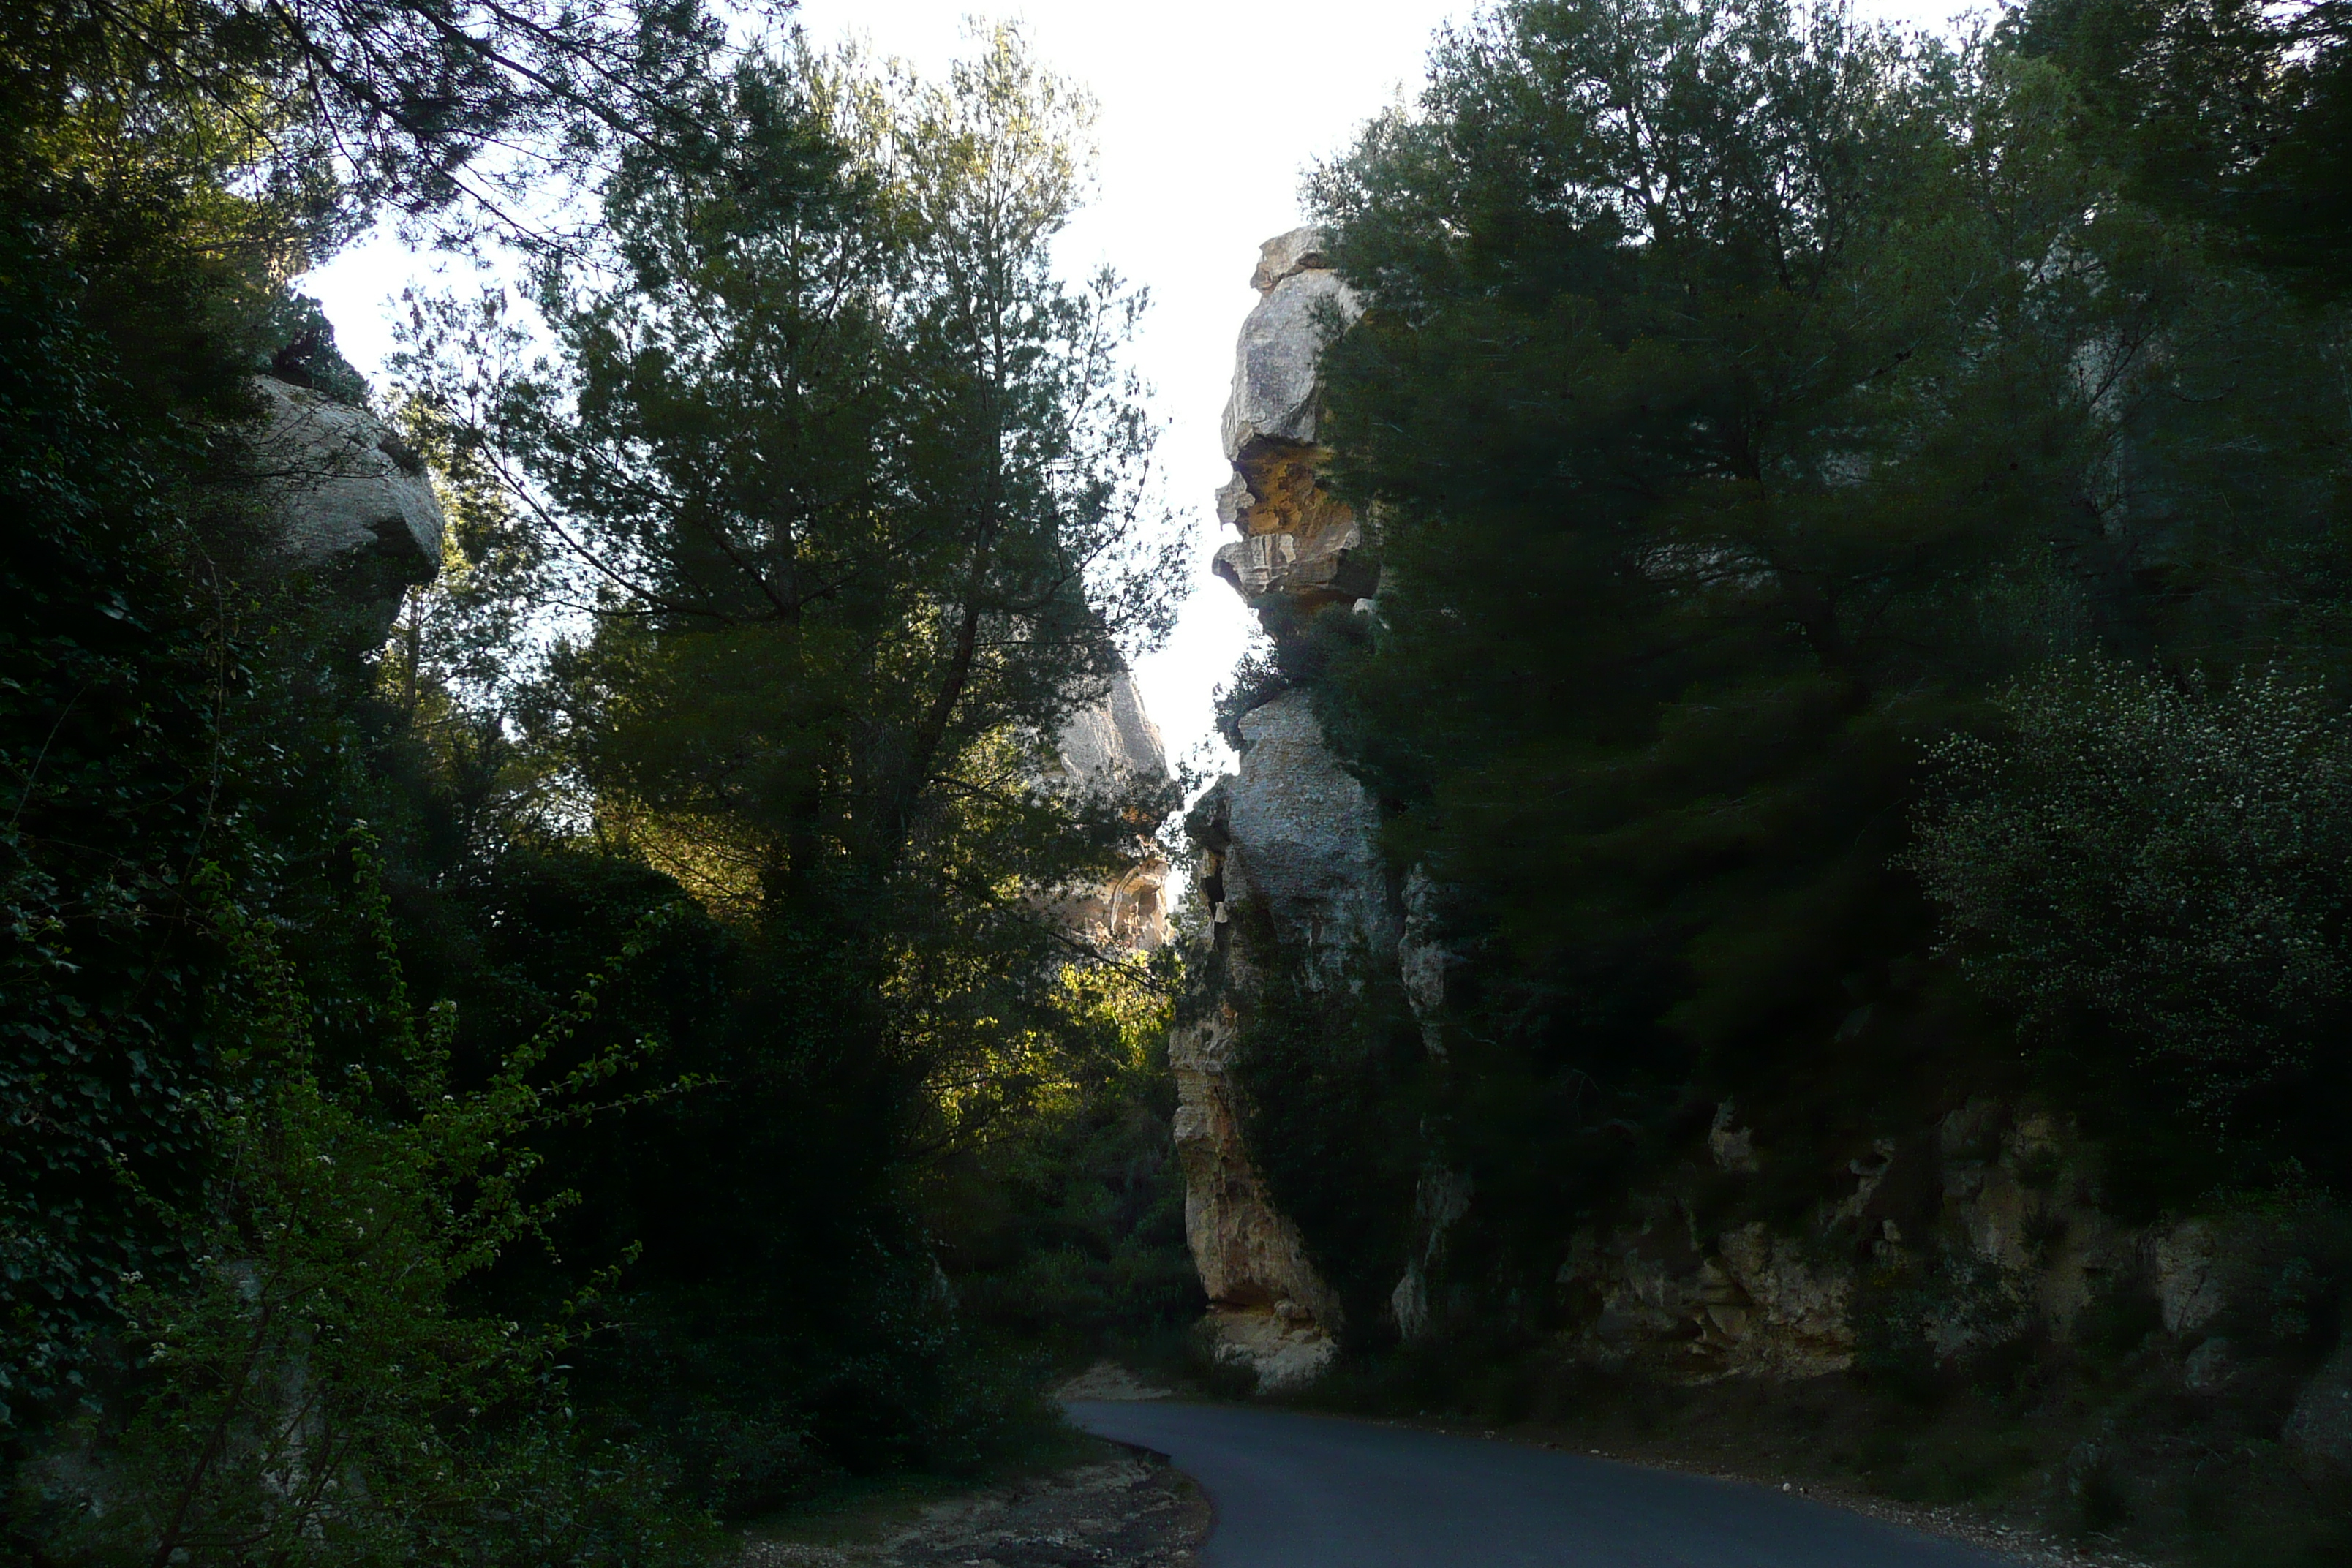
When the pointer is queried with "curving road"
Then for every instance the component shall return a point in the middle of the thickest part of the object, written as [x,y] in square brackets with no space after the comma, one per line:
[1311,1491]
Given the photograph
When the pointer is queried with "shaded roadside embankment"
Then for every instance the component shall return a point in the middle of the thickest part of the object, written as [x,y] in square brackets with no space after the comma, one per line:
[1308,1491]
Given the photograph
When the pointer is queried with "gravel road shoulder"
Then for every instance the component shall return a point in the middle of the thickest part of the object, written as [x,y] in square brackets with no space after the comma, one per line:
[1129,1511]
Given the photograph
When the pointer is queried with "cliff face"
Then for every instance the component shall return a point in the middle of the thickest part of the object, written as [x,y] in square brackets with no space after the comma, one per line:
[1291,835]
[1985,1226]
[1297,542]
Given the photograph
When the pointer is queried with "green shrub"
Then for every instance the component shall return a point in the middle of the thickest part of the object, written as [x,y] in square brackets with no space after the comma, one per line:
[312,1389]
[2169,865]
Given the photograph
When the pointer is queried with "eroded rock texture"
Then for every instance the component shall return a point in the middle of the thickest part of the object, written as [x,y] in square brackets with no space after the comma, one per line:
[1268,1308]
[1301,840]
[1289,839]
[1110,744]
[346,481]
[1298,540]
[351,498]
[1986,1229]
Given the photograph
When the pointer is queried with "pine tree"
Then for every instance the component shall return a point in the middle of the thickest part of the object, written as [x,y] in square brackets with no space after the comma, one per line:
[1742,391]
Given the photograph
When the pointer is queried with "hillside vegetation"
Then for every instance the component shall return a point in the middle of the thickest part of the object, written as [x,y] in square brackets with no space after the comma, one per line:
[1862,652]
[531,1063]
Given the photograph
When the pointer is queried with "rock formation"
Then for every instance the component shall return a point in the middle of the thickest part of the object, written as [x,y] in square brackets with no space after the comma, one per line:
[351,498]
[1297,542]
[1300,840]
[1291,837]
[1108,744]
[1981,1228]
[1290,834]
[1268,1309]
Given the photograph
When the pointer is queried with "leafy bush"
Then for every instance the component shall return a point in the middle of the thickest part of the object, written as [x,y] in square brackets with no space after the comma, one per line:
[1071,1235]
[2169,864]
[1333,1072]
[311,1390]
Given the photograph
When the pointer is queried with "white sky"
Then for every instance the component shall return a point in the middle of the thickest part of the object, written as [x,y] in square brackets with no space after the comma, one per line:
[1211,113]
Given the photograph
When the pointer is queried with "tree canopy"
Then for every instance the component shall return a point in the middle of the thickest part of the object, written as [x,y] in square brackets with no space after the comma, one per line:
[1746,396]
[660,945]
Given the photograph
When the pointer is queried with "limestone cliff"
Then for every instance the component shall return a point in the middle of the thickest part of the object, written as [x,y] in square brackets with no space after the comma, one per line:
[1298,540]
[351,500]
[1112,743]
[1290,836]
[1983,1228]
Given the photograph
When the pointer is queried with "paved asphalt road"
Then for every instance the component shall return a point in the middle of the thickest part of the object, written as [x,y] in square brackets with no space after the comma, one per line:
[1312,1491]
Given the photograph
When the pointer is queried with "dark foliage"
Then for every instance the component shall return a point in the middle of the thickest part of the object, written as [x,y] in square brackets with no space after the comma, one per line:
[1723,400]
[1861,635]
[269,892]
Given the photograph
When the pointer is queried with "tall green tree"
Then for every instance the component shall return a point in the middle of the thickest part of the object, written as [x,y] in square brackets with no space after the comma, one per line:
[849,492]
[2229,115]
[1741,391]
[170,696]
[857,485]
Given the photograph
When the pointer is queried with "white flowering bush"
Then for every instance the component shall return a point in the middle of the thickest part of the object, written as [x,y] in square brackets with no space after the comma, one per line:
[2172,864]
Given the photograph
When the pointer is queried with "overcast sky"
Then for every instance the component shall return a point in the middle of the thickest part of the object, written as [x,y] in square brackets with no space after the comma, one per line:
[1211,111]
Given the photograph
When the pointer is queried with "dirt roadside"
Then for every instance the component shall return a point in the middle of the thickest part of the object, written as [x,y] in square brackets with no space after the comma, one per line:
[1128,1511]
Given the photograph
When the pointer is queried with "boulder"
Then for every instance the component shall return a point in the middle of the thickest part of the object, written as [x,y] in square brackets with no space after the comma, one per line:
[2212,1367]
[1282,1351]
[1274,377]
[351,501]
[1286,254]
[343,483]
